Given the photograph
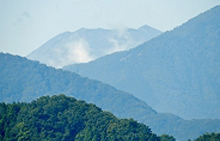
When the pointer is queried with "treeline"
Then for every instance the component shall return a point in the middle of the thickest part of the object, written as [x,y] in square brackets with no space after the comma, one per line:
[209,137]
[24,80]
[63,118]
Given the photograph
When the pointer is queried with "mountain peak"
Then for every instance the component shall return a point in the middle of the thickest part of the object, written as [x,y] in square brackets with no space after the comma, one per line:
[146,28]
[85,45]
[176,72]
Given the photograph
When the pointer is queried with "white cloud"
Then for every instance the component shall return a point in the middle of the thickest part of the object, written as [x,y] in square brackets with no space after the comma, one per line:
[44,19]
[121,41]
[78,52]
[117,46]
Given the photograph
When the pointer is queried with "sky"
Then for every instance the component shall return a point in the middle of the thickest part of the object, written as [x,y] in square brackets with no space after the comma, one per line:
[27,24]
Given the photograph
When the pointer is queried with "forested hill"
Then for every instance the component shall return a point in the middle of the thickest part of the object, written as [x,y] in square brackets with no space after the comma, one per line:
[176,72]
[62,118]
[26,80]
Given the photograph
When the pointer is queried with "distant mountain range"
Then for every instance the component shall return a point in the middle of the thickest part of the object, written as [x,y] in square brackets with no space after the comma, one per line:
[24,80]
[177,72]
[85,45]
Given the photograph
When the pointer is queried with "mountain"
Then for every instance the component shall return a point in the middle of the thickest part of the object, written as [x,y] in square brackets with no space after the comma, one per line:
[85,45]
[23,80]
[66,119]
[177,72]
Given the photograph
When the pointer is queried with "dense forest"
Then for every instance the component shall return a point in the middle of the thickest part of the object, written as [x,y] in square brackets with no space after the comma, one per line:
[23,80]
[63,118]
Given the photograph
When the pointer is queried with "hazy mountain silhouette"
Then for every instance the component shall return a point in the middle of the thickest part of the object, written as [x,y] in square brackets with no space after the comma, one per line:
[177,72]
[25,80]
[85,45]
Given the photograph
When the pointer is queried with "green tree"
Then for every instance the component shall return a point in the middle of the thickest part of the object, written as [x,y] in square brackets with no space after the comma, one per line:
[209,137]
[165,137]
[64,118]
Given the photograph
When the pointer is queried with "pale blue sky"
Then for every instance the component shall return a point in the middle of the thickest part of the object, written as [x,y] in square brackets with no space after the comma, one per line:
[27,24]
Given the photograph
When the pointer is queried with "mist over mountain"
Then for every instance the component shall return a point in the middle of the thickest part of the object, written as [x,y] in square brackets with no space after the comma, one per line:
[177,72]
[26,80]
[85,45]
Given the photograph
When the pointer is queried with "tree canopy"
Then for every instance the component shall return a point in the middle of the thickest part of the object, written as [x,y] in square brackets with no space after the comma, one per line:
[63,118]
[209,137]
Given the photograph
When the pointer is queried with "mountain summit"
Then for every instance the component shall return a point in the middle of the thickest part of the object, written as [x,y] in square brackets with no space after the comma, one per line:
[177,72]
[85,45]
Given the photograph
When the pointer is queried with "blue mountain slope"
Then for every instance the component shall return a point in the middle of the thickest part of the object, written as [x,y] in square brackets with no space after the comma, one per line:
[177,72]
[25,80]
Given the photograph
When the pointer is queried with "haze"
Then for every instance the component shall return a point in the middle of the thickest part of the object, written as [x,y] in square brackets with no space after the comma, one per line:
[26,25]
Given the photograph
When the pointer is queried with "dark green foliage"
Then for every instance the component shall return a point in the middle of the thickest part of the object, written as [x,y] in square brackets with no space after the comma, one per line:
[209,137]
[63,118]
[25,80]
[167,138]
[177,72]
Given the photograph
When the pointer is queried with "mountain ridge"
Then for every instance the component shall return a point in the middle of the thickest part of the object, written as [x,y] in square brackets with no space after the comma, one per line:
[84,45]
[24,80]
[173,72]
